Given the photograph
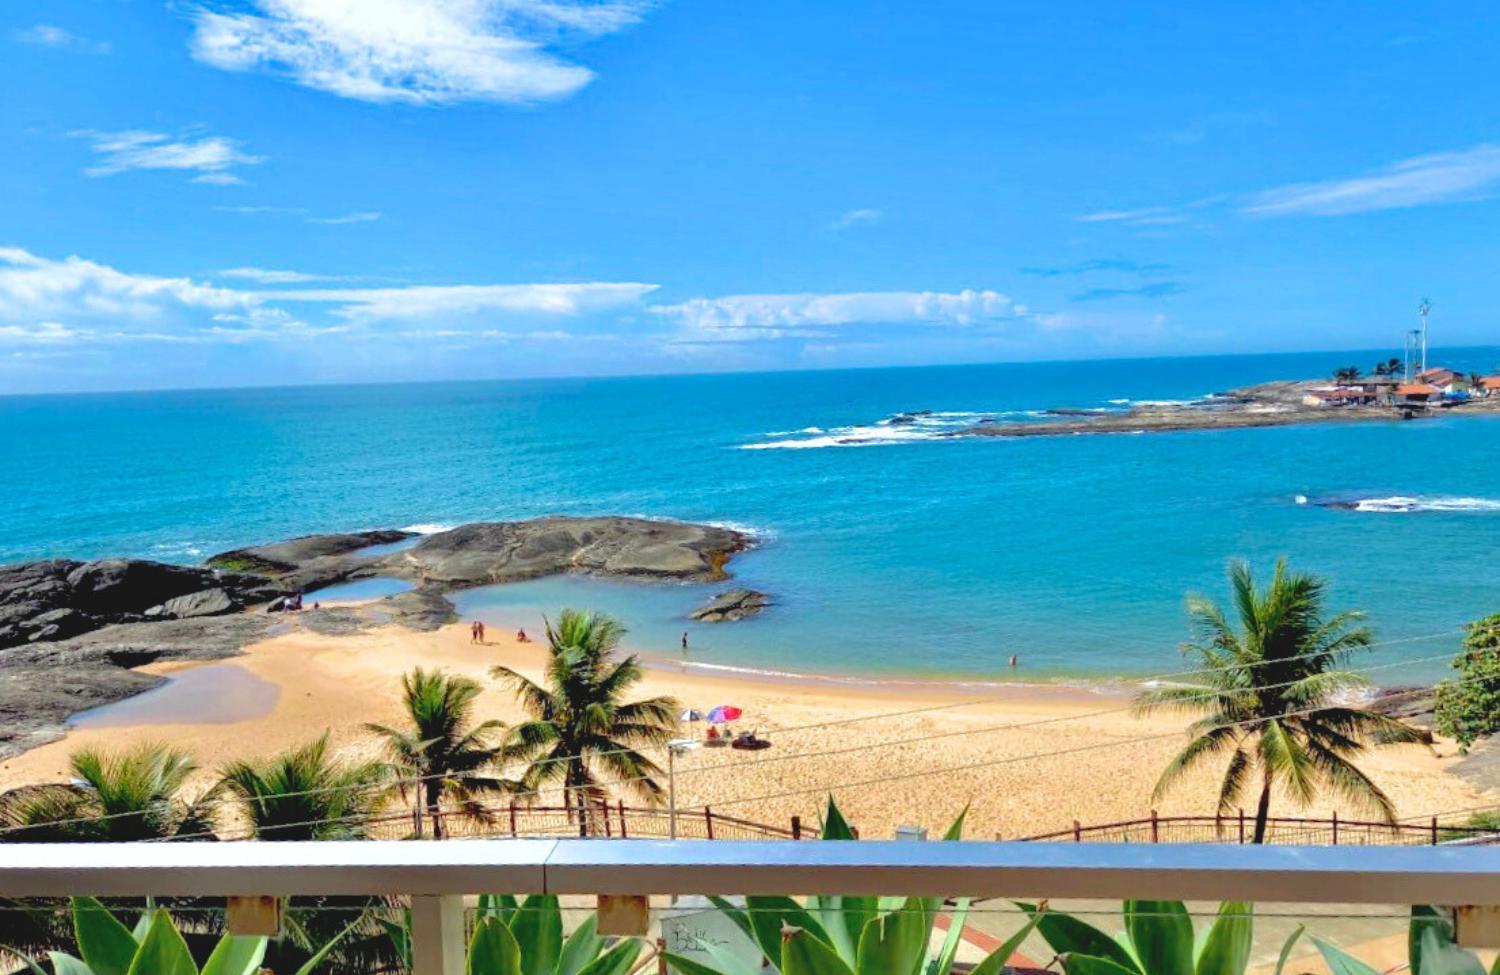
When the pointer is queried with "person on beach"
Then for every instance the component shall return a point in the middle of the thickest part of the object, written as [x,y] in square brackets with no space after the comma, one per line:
[479,630]
[1014,660]
[521,636]
[474,632]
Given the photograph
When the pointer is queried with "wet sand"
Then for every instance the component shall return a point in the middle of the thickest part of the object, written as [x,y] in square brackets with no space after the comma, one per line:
[1028,758]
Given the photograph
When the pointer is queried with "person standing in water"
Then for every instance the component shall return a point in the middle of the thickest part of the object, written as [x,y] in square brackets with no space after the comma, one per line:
[684,641]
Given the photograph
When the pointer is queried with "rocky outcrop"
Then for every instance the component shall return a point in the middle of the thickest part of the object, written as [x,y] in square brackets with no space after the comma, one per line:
[728,607]
[509,551]
[70,631]
[60,598]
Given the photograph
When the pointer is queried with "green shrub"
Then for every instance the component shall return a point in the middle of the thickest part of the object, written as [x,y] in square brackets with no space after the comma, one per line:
[1468,709]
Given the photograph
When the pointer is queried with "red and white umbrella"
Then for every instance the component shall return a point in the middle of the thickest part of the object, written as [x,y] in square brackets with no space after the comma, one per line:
[723,714]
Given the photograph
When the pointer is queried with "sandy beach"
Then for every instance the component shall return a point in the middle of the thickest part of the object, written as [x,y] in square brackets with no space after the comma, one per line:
[1029,758]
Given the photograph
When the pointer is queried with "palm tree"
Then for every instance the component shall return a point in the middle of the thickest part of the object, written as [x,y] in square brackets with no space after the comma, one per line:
[115,797]
[439,752]
[1271,696]
[580,729]
[306,794]
[1346,375]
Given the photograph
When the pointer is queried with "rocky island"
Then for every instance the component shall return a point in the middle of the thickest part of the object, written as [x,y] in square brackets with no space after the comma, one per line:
[71,631]
[1272,404]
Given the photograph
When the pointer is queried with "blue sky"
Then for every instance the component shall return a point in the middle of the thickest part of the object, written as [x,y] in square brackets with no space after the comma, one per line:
[285,191]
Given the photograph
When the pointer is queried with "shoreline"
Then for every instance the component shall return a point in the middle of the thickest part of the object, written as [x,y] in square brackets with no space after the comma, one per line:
[1030,758]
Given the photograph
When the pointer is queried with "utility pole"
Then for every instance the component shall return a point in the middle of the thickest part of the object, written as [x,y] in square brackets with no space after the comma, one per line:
[1423,309]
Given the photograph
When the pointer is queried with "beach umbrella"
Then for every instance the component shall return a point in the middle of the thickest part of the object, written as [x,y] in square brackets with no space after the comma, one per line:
[723,714]
[691,714]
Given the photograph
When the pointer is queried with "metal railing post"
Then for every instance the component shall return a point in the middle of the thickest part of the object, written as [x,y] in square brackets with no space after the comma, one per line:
[796,827]
[624,833]
[437,934]
[1335,821]
[1434,831]
[1155,828]
[1242,826]
[1077,832]
[708,821]
[513,818]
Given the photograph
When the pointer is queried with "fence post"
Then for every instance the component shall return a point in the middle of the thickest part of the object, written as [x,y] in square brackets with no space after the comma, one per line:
[624,835]
[1077,832]
[708,821]
[1335,821]
[513,818]
[437,934]
[1242,827]
[1155,829]
[1218,824]
[604,808]
[796,827]
[1434,831]
[661,956]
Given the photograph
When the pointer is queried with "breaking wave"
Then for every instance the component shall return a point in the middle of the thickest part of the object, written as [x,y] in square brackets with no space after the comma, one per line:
[1407,504]
[898,429]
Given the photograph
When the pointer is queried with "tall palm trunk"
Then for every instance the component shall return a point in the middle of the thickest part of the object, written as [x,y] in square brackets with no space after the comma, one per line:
[1262,811]
[434,790]
[578,796]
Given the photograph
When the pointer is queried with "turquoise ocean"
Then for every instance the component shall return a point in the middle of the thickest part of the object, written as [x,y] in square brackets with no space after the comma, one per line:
[892,552]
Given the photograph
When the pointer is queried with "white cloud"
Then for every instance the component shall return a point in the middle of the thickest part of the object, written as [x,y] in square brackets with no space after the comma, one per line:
[262,275]
[1144,217]
[1439,178]
[794,311]
[422,301]
[359,216]
[855,218]
[49,35]
[211,157]
[414,51]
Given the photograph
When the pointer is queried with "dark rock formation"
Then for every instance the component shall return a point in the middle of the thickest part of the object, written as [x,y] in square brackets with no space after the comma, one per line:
[60,598]
[727,607]
[508,551]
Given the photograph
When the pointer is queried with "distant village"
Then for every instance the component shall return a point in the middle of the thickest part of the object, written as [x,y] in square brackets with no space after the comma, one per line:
[1389,385]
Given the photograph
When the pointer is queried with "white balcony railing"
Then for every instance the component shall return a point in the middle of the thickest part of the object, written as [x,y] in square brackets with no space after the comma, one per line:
[436,875]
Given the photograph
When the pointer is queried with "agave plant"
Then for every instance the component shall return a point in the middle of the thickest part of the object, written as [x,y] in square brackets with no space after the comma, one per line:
[154,947]
[1158,940]
[526,938]
[1431,950]
[847,935]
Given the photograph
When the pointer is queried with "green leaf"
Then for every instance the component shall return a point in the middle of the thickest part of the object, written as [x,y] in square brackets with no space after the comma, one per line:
[686,966]
[804,954]
[107,946]
[400,935]
[835,826]
[895,943]
[1340,962]
[503,906]
[769,914]
[942,962]
[738,915]
[236,956]
[582,947]
[493,949]
[844,918]
[68,965]
[317,959]
[162,950]
[1068,935]
[1424,917]
[537,927]
[1076,964]
[617,960]
[956,828]
[996,961]
[1286,948]
[1161,933]
[1442,957]
[1227,949]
